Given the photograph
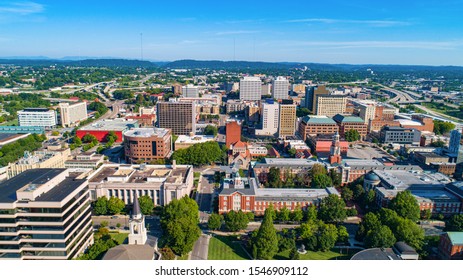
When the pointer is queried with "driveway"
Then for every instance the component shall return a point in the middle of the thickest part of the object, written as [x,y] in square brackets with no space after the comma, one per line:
[201,248]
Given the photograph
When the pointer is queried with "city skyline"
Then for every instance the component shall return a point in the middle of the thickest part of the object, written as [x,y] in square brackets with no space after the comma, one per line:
[418,33]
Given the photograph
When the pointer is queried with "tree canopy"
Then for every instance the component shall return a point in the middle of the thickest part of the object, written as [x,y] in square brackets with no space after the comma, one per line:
[455,223]
[211,130]
[352,135]
[146,204]
[332,209]
[265,244]
[236,220]
[199,154]
[179,221]
[406,206]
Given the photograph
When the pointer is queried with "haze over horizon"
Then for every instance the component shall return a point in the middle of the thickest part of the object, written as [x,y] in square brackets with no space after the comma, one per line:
[358,32]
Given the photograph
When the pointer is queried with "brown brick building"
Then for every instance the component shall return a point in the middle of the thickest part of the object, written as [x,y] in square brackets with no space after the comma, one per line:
[232,133]
[147,144]
[451,246]
[347,123]
[317,125]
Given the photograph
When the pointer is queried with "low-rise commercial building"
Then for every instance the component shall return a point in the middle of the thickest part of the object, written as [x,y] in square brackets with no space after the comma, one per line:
[46,158]
[147,144]
[451,246]
[161,183]
[45,215]
[317,125]
[293,166]
[399,135]
[347,123]
[85,160]
[100,129]
[41,117]
[184,141]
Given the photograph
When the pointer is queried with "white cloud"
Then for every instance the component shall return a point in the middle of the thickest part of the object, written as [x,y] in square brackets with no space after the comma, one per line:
[22,8]
[377,23]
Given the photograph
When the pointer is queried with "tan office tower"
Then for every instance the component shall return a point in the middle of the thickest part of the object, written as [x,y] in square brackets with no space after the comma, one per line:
[330,105]
[287,120]
[180,117]
[72,113]
[367,112]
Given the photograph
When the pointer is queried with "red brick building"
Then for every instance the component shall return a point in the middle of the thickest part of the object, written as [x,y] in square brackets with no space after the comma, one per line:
[347,123]
[232,133]
[451,246]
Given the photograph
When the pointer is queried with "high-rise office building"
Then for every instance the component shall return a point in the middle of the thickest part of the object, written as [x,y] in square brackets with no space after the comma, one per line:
[280,87]
[190,91]
[180,117]
[287,122]
[459,164]
[330,105]
[270,118]
[250,88]
[454,144]
[41,117]
[311,94]
[72,113]
[45,215]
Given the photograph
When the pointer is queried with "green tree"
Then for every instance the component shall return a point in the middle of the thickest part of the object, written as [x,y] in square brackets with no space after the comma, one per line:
[441,127]
[425,214]
[347,194]
[311,213]
[146,205]
[369,223]
[335,177]
[274,178]
[352,135]
[455,223]
[115,205]
[54,133]
[381,237]
[317,169]
[343,234]
[293,254]
[292,152]
[215,221]
[211,130]
[297,215]
[76,140]
[236,221]
[409,232]
[179,221]
[321,181]
[327,236]
[101,206]
[283,215]
[167,254]
[358,192]
[332,209]
[199,154]
[406,206]
[266,241]
[368,199]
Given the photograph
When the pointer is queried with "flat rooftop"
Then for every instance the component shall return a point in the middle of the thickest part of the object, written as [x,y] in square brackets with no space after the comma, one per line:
[185,139]
[402,179]
[147,132]
[62,190]
[40,176]
[138,174]
[293,194]
[289,161]
[315,119]
[110,125]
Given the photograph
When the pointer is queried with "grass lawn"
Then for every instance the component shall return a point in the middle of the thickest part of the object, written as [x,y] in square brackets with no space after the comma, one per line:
[453,113]
[225,248]
[11,123]
[119,237]
[329,255]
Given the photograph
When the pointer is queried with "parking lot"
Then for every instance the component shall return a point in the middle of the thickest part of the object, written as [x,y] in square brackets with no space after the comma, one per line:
[365,153]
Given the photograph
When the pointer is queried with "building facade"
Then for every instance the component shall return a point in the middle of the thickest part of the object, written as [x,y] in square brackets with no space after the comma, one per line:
[250,88]
[313,125]
[287,120]
[270,119]
[147,144]
[399,135]
[180,117]
[347,123]
[330,105]
[451,246]
[46,215]
[190,91]
[162,183]
[72,114]
[100,129]
[41,117]
[280,87]
[232,133]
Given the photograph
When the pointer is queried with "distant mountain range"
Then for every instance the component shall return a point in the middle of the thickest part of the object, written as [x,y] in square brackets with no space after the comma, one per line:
[213,64]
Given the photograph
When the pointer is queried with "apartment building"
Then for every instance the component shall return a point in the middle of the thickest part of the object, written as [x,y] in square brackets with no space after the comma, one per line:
[72,114]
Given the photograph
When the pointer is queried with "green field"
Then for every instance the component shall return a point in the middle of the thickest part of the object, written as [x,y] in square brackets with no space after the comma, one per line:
[119,237]
[226,248]
[10,123]
[333,254]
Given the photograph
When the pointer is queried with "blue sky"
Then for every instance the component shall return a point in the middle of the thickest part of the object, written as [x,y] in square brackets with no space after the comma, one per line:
[423,32]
